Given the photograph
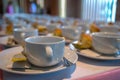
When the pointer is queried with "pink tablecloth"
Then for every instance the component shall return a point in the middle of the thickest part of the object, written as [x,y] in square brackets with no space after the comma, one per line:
[109,75]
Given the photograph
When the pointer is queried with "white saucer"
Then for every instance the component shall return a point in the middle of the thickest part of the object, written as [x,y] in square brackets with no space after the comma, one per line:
[6,55]
[89,53]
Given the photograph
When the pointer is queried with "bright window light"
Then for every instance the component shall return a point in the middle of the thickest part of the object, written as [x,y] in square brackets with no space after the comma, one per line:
[62,8]
[41,3]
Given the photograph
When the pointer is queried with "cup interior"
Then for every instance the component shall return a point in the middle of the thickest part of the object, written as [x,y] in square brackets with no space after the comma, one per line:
[24,30]
[44,40]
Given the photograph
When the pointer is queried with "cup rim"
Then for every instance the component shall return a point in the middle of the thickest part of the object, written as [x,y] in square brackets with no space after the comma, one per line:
[111,26]
[71,27]
[98,34]
[32,37]
[24,30]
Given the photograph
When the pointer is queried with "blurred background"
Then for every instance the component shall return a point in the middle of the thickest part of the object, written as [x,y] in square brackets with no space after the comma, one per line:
[94,10]
[64,18]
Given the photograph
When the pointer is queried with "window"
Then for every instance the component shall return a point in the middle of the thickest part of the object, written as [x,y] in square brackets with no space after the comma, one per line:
[99,10]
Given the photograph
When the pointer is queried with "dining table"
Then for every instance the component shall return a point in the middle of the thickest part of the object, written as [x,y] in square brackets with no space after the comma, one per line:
[87,67]
[84,69]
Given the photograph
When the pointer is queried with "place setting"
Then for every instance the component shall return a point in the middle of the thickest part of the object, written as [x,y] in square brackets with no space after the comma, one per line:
[39,55]
[98,45]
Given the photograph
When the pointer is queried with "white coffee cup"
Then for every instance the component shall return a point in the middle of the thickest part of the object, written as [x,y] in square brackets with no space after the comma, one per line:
[71,33]
[21,33]
[44,51]
[52,26]
[106,42]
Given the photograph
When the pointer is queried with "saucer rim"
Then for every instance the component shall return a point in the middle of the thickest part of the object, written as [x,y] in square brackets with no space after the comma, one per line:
[95,57]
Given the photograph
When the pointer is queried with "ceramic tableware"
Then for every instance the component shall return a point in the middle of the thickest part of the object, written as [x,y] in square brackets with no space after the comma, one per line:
[106,42]
[44,51]
[21,33]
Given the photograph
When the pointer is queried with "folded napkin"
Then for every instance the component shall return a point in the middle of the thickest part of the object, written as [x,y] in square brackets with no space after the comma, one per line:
[18,65]
[18,61]
[109,75]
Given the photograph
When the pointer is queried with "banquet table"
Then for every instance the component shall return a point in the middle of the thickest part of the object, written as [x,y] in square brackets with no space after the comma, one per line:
[84,69]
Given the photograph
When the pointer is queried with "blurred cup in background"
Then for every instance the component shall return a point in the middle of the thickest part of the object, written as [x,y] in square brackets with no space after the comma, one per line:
[106,42]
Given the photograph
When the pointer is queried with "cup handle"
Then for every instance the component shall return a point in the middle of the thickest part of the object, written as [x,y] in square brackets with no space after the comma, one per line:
[49,52]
